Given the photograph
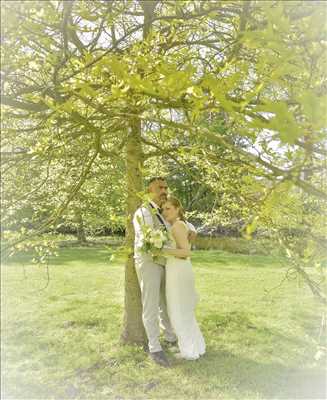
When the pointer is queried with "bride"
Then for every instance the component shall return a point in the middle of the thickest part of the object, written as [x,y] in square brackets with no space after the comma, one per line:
[180,289]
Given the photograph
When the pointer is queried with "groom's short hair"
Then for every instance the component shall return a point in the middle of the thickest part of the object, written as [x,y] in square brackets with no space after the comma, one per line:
[156,178]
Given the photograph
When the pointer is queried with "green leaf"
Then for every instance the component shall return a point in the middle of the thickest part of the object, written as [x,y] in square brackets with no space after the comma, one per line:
[283,121]
[314,107]
[87,90]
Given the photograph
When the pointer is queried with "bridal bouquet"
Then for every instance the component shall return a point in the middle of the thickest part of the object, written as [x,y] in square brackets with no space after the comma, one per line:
[153,239]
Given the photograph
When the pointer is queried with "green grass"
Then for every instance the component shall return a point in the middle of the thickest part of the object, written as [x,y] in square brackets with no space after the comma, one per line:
[62,342]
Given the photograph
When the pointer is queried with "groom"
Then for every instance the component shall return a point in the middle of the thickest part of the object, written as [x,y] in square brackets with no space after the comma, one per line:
[151,275]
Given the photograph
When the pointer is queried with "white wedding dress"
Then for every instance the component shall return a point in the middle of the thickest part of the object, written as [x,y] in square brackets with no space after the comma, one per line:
[181,302]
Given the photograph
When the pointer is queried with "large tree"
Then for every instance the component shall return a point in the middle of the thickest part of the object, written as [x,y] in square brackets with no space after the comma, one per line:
[136,80]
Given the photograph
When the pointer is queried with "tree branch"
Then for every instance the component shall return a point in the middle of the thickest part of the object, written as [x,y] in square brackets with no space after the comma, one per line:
[57,213]
[35,107]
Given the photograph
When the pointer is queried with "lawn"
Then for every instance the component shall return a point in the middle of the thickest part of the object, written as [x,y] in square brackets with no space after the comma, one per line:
[62,341]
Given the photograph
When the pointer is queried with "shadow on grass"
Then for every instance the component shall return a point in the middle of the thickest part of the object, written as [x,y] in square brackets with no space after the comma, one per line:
[67,256]
[271,379]
[223,371]
[242,376]
[93,256]
[234,260]
[102,323]
[238,321]
[101,255]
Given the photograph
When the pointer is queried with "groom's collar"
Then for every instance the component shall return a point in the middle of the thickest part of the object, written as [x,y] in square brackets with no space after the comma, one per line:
[155,205]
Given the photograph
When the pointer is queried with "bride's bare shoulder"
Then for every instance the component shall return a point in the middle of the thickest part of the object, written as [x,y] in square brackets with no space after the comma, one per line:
[179,226]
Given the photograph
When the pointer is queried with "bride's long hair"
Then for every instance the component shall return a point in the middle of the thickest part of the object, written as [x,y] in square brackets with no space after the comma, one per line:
[177,204]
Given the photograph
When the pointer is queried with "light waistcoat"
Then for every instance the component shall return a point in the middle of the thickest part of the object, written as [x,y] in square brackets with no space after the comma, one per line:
[149,215]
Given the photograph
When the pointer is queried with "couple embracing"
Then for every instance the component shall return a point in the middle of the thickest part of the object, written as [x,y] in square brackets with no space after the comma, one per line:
[166,280]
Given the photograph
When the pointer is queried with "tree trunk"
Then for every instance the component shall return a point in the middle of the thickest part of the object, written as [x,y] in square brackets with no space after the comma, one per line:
[81,237]
[133,329]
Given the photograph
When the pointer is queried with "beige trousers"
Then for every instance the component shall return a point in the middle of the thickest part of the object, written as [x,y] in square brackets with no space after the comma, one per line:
[151,278]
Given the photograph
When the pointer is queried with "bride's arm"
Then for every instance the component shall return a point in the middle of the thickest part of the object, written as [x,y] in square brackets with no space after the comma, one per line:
[180,234]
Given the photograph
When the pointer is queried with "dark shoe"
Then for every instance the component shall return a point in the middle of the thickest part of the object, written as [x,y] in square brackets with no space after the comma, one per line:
[160,358]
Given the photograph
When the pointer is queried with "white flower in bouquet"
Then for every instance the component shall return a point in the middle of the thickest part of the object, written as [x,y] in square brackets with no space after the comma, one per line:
[153,239]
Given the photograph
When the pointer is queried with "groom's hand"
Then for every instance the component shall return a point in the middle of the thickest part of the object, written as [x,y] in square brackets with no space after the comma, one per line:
[192,236]
[156,253]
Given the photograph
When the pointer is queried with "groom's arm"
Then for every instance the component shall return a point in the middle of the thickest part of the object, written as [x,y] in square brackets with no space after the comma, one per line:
[192,232]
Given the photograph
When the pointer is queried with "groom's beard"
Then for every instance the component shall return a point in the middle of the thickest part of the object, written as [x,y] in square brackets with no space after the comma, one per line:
[163,198]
